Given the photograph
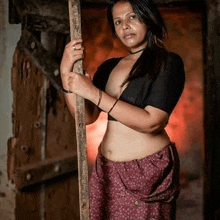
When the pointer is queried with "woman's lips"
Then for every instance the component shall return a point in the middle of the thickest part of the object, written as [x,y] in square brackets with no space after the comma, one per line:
[128,35]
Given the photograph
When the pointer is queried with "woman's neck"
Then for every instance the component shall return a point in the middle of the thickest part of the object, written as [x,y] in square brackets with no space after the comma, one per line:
[134,56]
[137,51]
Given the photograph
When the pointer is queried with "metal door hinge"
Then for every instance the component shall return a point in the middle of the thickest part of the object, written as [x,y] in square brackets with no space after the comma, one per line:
[40,57]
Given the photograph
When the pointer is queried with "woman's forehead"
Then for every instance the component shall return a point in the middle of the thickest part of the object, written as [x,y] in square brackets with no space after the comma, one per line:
[121,9]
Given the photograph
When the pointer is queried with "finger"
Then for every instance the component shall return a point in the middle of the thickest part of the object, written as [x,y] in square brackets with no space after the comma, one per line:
[71,75]
[78,57]
[69,80]
[77,52]
[78,47]
[87,75]
[74,42]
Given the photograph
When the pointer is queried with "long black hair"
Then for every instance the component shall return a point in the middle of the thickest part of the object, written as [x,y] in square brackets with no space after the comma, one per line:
[154,57]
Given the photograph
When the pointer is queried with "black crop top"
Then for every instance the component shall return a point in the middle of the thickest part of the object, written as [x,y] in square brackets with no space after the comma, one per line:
[163,92]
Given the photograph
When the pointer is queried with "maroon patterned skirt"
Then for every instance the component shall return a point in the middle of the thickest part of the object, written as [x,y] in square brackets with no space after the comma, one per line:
[135,190]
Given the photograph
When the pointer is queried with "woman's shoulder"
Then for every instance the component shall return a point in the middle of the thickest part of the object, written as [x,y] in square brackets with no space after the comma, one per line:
[174,57]
[167,56]
[175,65]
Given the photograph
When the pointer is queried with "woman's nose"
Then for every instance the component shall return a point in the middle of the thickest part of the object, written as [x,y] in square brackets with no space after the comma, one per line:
[125,25]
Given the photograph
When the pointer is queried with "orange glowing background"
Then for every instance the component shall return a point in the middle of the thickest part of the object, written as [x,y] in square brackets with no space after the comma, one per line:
[185,126]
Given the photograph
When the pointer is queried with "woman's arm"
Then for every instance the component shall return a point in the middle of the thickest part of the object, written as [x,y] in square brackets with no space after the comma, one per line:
[91,111]
[148,120]
[72,53]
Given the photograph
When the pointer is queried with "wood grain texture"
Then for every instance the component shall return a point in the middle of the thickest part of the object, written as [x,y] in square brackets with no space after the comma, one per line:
[27,114]
[53,15]
[61,196]
[45,170]
[75,32]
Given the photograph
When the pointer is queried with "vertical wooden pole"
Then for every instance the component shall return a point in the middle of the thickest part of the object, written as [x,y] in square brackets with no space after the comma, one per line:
[75,32]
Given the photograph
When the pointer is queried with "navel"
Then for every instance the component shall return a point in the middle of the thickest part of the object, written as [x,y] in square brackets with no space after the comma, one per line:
[109,152]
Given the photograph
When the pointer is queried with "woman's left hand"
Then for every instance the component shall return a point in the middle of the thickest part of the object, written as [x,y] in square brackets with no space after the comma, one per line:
[82,86]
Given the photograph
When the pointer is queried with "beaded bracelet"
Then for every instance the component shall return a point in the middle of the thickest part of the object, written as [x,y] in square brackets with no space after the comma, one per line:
[113,106]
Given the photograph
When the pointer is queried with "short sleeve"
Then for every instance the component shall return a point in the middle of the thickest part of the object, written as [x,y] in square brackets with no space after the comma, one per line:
[101,76]
[168,86]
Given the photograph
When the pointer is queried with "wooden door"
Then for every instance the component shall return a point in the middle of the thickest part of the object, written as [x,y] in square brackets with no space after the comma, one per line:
[42,150]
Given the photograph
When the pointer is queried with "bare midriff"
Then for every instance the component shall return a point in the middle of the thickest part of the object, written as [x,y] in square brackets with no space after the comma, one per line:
[121,143]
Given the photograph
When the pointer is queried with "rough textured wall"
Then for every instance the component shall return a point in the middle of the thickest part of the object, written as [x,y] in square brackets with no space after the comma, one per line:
[186,123]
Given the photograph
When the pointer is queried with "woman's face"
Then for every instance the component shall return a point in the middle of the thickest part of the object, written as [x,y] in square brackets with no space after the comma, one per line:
[128,28]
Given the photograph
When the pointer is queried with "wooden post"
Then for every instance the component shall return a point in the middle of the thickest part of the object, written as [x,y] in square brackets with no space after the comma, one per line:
[212,113]
[75,32]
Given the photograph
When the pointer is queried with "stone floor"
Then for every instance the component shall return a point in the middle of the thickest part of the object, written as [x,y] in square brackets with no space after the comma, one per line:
[190,202]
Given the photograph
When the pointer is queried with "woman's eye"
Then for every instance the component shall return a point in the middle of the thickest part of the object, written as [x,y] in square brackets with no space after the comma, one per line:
[117,22]
[132,17]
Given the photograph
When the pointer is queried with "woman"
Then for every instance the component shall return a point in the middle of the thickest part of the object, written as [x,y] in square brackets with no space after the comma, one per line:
[136,174]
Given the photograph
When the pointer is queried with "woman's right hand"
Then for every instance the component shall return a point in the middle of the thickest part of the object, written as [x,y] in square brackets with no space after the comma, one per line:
[72,53]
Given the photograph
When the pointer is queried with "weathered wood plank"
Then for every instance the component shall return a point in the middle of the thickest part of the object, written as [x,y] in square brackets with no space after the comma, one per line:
[41,171]
[53,15]
[13,14]
[36,22]
[61,200]
[62,196]
[27,83]
[27,114]
[76,32]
